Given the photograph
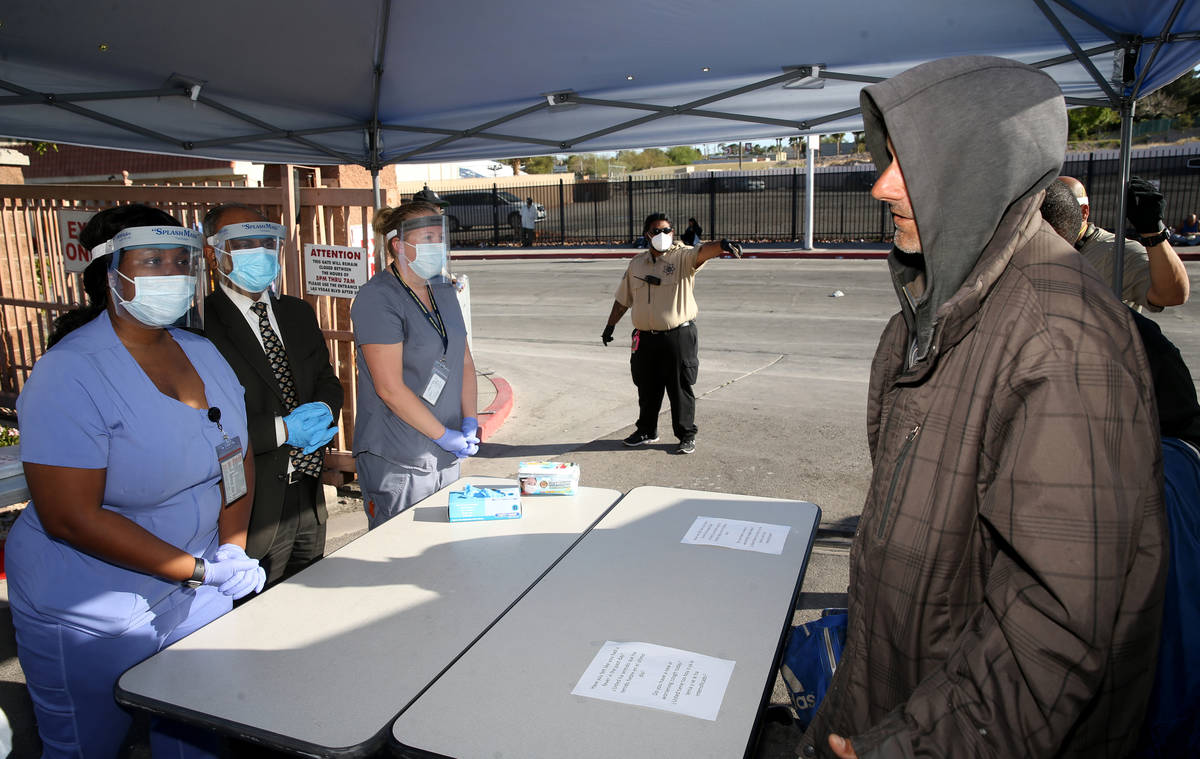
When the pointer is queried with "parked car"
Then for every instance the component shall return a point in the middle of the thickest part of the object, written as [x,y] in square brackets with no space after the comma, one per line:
[481,209]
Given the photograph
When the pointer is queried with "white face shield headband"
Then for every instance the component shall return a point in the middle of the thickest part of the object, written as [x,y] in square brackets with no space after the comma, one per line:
[253,249]
[165,263]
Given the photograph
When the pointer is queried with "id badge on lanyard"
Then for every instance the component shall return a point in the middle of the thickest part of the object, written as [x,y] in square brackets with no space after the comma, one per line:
[229,456]
[437,382]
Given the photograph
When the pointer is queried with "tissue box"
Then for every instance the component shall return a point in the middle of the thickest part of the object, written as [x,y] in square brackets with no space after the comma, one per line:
[547,477]
[473,504]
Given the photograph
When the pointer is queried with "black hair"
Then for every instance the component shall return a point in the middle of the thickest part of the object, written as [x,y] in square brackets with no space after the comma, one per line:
[213,217]
[653,218]
[1061,211]
[101,228]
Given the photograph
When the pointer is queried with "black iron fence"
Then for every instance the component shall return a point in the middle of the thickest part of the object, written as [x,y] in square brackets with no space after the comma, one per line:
[767,206]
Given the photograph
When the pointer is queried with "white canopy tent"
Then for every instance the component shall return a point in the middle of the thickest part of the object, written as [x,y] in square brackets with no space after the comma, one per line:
[375,82]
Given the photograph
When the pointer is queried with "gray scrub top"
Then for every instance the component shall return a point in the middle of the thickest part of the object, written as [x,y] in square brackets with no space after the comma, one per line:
[385,314]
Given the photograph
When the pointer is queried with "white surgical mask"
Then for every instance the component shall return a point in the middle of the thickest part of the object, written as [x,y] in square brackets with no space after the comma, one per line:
[430,260]
[159,301]
[661,241]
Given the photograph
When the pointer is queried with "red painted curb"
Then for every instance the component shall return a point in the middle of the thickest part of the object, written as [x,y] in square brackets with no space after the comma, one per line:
[494,415]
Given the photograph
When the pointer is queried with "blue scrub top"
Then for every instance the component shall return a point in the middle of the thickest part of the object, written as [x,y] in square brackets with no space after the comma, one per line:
[88,405]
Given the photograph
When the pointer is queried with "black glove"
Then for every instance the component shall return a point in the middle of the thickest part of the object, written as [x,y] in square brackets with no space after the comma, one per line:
[732,247]
[606,335]
[1144,207]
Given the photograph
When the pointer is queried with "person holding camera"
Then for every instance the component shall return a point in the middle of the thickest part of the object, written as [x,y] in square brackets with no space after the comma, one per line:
[657,286]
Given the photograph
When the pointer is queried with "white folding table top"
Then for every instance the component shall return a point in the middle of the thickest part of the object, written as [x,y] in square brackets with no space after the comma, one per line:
[323,662]
[629,579]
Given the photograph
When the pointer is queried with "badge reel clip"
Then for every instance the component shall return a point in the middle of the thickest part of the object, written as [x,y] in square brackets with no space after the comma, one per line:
[229,455]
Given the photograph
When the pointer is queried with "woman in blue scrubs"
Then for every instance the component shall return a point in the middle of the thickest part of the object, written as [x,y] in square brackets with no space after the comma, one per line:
[129,542]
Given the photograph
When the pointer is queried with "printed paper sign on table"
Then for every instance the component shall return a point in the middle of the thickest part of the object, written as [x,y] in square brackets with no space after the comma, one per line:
[644,674]
[334,270]
[735,533]
[70,224]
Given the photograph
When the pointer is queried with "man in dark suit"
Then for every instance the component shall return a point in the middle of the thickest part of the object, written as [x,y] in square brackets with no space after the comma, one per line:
[276,348]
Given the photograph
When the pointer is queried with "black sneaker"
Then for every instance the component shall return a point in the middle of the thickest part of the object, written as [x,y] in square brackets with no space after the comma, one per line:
[686,446]
[639,438]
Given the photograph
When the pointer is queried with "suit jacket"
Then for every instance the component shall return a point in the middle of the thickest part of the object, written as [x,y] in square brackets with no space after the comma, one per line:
[315,380]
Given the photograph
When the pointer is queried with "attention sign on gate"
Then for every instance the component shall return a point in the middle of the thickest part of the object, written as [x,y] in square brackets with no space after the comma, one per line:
[334,270]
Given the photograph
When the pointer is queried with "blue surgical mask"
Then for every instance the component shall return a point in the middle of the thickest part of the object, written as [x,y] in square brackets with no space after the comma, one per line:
[159,301]
[430,260]
[254,269]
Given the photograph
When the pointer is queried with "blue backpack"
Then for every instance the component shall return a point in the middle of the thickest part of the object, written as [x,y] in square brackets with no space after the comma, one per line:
[809,661]
[1172,725]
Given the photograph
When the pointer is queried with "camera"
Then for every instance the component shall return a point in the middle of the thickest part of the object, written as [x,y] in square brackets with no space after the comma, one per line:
[653,280]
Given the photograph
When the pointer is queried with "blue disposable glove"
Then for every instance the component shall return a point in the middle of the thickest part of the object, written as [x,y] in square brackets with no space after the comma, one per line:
[246,582]
[453,441]
[232,576]
[320,439]
[299,423]
[470,426]
[470,448]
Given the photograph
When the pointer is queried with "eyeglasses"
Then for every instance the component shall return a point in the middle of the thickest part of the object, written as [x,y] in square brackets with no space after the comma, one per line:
[662,231]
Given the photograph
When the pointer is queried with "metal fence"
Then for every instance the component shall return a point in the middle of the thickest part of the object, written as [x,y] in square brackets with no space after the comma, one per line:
[767,206]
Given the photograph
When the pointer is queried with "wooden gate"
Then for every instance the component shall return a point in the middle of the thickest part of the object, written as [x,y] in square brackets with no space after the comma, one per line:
[35,287]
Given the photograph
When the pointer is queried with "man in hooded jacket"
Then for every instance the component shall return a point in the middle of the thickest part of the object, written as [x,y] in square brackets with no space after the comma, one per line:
[1007,576]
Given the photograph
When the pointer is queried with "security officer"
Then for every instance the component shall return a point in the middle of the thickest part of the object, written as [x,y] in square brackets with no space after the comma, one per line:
[658,287]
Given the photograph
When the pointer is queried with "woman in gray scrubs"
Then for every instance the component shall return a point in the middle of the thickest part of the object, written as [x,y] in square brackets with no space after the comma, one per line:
[416,413]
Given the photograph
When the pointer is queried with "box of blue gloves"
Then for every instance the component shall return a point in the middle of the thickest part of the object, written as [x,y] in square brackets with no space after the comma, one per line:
[472,504]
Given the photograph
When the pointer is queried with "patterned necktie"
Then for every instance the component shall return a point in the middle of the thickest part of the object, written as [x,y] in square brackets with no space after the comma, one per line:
[277,358]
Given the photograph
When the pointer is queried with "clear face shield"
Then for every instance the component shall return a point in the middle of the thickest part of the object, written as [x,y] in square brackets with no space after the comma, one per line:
[422,248]
[156,275]
[247,254]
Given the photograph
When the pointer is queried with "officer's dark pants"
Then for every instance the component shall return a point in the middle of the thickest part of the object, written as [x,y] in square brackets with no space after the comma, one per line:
[667,361]
[526,237]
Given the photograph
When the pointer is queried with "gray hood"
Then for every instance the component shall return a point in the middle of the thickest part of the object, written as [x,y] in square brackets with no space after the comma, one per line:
[973,135]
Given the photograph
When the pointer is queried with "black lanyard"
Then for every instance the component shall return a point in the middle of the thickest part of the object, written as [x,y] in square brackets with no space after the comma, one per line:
[434,319]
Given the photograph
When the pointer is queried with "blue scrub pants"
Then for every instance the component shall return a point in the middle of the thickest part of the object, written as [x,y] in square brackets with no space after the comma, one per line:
[71,673]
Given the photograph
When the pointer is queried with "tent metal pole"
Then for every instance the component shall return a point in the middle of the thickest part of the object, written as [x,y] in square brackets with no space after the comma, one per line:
[810,159]
[1119,227]
[379,257]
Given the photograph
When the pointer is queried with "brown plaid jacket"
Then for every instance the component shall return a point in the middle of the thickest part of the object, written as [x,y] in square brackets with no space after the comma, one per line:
[1007,576]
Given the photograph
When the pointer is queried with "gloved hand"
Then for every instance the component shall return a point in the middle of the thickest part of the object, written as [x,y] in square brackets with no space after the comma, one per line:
[1144,207]
[453,441]
[606,335]
[732,247]
[243,583]
[234,577]
[300,423]
[320,439]
[470,427]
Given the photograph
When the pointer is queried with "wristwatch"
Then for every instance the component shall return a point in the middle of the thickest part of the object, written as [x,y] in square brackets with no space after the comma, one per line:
[197,578]
[1156,239]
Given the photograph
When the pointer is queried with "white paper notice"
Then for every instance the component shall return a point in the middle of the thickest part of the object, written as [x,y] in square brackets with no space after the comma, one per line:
[734,533]
[644,674]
